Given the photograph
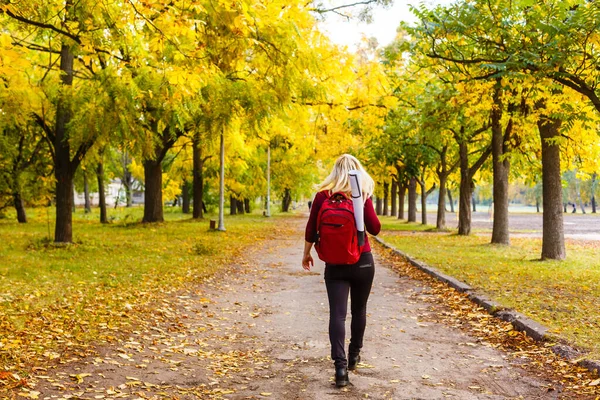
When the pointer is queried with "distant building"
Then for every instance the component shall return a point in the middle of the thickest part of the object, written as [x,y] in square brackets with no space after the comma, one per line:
[113,191]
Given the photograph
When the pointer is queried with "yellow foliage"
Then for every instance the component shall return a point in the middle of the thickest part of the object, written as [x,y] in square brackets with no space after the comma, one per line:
[137,170]
[171,187]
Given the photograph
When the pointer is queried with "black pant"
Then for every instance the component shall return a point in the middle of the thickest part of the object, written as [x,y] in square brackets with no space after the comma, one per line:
[356,279]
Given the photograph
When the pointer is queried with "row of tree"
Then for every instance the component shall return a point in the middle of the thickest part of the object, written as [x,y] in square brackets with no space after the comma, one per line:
[250,91]
[493,90]
[253,92]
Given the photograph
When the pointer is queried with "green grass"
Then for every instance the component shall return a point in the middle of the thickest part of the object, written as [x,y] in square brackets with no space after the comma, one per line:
[109,279]
[392,224]
[563,295]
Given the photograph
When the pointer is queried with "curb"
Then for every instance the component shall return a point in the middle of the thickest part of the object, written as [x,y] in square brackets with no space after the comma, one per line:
[520,322]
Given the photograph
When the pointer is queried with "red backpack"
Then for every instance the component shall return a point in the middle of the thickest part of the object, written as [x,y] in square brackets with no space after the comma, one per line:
[337,238]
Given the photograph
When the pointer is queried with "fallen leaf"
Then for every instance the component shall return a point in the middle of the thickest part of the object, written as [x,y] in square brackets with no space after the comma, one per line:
[79,377]
[6,375]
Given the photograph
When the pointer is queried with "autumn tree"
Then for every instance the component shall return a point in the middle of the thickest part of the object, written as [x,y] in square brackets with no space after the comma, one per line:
[469,36]
[77,47]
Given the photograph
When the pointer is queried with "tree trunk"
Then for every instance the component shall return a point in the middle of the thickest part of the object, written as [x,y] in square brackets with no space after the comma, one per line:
[64,167]
[464,207]
[247,206]
[440,223]
[412,199]
[578,192]
[465,192]
[501,167]
[185,197]
[63,231]
[386,194]
[474,202]
[86,194]
[63,170]
[401,197]
[553,241]
[287,200]
[450,200]
[101,193]
[153,201]
[127,184]
[198,180]
[19,206]
[593,193]
[537,204]
[240,206]
[127,178]
[423,202]
[232,205]
[378,205]
[128,192]
[394,197]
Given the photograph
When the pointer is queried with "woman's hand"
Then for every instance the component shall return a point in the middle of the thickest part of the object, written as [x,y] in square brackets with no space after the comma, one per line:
[307,262]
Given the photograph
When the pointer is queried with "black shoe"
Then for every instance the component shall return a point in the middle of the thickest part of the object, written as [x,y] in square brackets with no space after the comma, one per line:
[341,377]
[353,361]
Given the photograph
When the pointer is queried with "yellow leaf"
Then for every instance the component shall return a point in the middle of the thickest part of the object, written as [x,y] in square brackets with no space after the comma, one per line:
[79,377]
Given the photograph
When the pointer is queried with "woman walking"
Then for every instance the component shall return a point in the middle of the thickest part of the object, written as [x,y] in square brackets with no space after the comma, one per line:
[340,280]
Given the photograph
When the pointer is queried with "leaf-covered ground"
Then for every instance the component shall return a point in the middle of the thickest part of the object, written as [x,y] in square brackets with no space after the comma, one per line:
[561,295]
[258,329]
[55,301]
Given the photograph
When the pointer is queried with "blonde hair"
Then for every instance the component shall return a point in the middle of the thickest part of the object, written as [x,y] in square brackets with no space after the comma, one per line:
[338,180]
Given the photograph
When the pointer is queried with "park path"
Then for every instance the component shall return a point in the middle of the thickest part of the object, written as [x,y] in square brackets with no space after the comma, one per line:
[576,226]
[259,330]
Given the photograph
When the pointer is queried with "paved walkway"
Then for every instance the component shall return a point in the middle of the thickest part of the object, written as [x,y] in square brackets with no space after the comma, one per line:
[576,226]
[260,331]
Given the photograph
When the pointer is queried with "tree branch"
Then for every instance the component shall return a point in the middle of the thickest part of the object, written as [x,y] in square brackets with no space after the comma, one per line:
[484,156]
[579,86]
[34,153]
[467,61]
[358,3]
[41,25]
[331,104]
[81,152]
[42,123]
[33,46]
[431,189]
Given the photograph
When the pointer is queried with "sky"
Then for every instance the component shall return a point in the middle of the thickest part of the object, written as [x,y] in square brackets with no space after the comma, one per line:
[385,21]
